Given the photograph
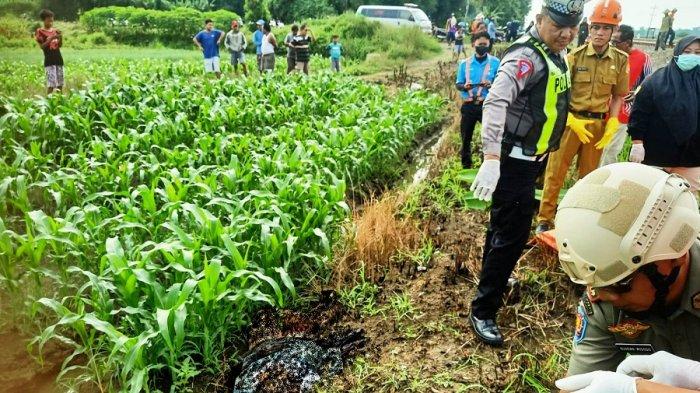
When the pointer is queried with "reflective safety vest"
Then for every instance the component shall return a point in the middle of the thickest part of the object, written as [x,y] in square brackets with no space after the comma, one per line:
[548,102]
[481,84]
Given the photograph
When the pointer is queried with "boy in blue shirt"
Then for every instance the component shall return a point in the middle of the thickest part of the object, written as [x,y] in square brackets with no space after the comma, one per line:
[334,50]
[208,41]
[474,78]
[257,40]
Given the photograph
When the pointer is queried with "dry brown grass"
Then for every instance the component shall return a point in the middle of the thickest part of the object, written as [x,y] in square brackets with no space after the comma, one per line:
[375,237]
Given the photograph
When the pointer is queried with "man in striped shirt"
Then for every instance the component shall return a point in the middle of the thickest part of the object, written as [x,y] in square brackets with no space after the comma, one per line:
[640,69]
[301,44]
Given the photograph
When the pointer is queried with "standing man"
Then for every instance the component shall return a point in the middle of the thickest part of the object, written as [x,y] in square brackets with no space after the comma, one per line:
[671,32]
[524,117]
[291,54]
[50,40]
[451,28]
[474,78]
[236,43]
[208,41]
[640,68]
[600,82]
[258,40]
[663,31]
[582,32]
[513,30]
[302,44]
[629,233]
[491,28]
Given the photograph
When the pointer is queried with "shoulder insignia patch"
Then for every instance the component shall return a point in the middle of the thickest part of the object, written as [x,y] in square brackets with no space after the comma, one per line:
[525,67]
[696,301]
[629,328]
[581,325]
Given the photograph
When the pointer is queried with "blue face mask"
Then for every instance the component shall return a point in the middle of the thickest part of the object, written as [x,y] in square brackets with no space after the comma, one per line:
[688,61]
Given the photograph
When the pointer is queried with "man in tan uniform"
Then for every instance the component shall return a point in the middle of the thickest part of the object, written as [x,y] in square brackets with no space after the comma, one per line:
[600,80]
[629,232]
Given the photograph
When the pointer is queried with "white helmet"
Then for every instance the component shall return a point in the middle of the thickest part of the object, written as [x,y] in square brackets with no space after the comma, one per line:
[622,217]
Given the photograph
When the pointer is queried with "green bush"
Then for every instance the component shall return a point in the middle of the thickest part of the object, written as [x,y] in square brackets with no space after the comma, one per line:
[361,36]
[138,26]
[19,8]
[13,28]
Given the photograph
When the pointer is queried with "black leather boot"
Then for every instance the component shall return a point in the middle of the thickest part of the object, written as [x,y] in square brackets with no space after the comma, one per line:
[487,331]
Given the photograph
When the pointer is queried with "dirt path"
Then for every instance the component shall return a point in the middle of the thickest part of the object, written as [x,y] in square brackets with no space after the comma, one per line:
[416,69]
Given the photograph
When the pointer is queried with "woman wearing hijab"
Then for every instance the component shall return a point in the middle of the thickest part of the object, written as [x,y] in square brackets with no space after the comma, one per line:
[665,120]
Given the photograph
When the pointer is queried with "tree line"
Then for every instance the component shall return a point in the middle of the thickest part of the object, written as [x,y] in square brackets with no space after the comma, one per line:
[297,10]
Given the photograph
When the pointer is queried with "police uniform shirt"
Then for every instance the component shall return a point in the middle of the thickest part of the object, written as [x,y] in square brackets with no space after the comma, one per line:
[604,335]
[505,106]
[596,77]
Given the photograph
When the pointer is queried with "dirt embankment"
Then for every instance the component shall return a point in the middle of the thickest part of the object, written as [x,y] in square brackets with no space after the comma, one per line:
[19,372]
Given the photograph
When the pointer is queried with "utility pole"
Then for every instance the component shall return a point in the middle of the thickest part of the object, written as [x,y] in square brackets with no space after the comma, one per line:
[466,13]
[651,19]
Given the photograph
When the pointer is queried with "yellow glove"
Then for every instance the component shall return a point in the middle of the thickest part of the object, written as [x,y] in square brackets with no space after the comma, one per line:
[610,131]
[578,126]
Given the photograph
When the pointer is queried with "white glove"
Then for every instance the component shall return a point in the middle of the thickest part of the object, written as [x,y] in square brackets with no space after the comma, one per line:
[663,368]
[486,179]
[598,382]
[637,153]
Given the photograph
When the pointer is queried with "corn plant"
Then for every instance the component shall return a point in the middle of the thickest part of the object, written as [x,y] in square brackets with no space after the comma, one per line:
[157,211]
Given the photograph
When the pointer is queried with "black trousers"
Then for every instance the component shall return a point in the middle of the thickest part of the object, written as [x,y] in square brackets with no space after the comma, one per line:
[471,114]
[512,210]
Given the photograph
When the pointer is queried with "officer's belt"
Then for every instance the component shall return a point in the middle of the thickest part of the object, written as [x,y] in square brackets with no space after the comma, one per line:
[590,115]
[517,153]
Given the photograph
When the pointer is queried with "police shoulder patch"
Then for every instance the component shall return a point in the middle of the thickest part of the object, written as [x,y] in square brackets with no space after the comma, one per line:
[581,324]
[525,68]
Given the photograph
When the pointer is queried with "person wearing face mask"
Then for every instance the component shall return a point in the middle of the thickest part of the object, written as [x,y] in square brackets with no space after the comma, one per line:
[474,78]
[665,120]
[629,233]
[524,116]
[600,75]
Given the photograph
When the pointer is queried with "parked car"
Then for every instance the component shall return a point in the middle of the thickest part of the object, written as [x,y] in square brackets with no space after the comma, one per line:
[406,15]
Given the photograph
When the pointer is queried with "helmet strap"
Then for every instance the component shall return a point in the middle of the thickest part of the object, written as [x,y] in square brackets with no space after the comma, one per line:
[662,284]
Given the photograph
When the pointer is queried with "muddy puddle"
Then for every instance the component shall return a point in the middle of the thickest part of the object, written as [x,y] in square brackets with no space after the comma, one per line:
[20,372]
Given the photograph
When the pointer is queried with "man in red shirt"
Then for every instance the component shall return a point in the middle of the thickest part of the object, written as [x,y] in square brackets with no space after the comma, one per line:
[640,68]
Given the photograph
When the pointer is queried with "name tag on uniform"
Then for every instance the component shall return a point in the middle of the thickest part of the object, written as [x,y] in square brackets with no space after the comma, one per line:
[581,68]
[638,349]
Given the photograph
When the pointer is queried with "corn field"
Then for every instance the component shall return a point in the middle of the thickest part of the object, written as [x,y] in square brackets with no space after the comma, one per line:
[149,215]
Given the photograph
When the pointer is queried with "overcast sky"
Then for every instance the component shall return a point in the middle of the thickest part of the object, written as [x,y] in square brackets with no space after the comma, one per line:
[638,12]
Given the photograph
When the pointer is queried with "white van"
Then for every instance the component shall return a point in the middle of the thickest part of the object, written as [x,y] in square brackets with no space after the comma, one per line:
[406,15]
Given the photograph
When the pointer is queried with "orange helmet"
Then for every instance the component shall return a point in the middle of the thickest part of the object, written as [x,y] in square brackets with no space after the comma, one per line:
[607,12]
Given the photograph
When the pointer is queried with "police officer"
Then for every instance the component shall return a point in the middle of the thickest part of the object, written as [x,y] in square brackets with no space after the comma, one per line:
[600,76]
[629,232]
[524,117]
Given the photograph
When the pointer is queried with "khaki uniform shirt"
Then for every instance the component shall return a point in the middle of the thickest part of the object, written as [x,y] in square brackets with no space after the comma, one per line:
[505,106]
[596,347]
[595,78]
